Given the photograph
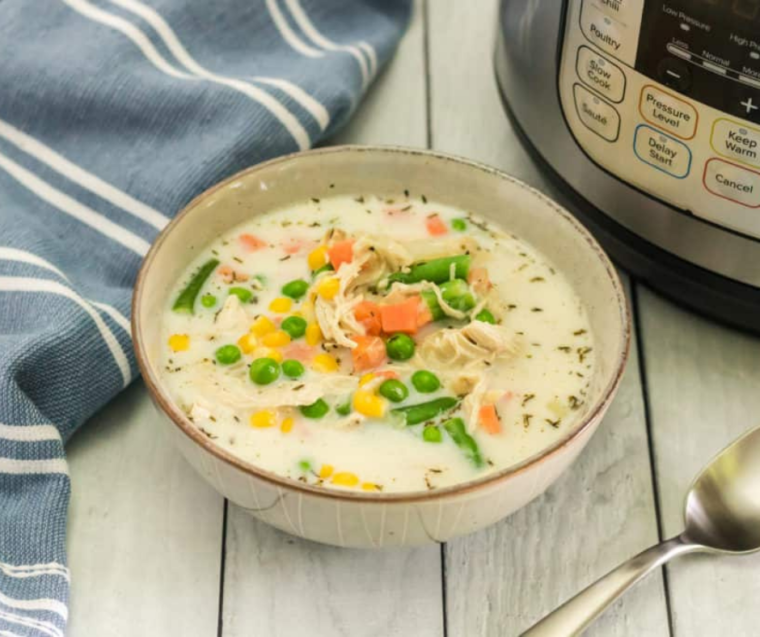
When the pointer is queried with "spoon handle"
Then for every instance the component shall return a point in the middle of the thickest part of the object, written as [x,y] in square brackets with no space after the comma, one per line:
[576,614]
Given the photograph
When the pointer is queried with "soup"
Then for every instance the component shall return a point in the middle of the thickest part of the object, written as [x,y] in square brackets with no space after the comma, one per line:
[376,344]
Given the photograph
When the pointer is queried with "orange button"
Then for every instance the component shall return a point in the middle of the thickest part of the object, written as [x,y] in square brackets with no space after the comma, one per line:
[668,112]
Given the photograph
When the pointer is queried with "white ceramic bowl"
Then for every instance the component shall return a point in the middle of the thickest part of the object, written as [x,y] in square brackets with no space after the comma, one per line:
[394,519]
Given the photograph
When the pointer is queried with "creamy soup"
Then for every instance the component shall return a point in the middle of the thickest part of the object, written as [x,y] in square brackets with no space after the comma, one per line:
[376,344]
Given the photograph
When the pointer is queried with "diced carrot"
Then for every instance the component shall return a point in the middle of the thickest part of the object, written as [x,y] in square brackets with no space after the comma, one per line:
[251,242]
[292,246]
[489,419]
[435,226]
[478,279]
[368,314]
[368,353]
[401,317]
[341,252]
[299,352]
[387,373]
[424,315]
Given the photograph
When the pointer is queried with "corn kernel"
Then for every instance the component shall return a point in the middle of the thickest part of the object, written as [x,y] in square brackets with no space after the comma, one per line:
[247,343]
[370,486]
[326,471]
[324,363]
[179,342]
[263,325]
[366,379]
[274,354]
[328,288]
[367,404]
[276,339]
[313,334]
[317,257]
[281,305]
[307,310]
[286,426]
[263,419]
[345,479]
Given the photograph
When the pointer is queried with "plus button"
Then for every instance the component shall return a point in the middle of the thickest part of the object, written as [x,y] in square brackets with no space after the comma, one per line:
[749,105]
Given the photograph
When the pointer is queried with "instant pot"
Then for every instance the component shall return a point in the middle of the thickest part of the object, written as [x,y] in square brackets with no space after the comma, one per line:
[646,116]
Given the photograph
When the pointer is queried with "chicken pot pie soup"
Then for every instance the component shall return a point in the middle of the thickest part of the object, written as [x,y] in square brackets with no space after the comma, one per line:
[377,344]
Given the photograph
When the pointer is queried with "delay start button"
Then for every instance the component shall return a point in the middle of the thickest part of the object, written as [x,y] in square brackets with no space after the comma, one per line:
[596,114]
[662,151]
[732,182]
[601,74]
[668,112]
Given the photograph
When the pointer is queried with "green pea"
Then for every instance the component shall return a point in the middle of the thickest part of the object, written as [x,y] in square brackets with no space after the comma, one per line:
[327,267]
[295,289]
[486,317]
[459,224]
[292,368]
[264,371]
[425,382]
[316,410]
[295,326]
[400,347]
[394,390]
[243,294]
[228,354]
[345,408]
[208,300]
[304,465]
[432,434]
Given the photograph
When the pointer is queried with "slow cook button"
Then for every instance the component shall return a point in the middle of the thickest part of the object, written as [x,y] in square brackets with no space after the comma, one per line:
[666,111]
[733,182]
[662,151]
[736,141]
[599,73]
[596,114]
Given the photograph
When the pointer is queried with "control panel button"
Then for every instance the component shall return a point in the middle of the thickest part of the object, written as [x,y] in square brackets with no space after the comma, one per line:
[599,73]
[733,182]
[675,73]
[668,112]
[609,32]
[627,11]
[736,141]
[662,151]
[596,114]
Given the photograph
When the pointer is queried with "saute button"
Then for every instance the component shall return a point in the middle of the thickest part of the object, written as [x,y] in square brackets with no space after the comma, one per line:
[736,141]
[733,182]
[662,151]
[668,112]
[599,73]
[596,114]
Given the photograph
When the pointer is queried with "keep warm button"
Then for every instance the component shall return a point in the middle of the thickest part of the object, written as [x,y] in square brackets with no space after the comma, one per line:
[662,151]
[733,182]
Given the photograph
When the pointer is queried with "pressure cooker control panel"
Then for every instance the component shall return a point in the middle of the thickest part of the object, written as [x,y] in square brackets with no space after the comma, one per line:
[665,95]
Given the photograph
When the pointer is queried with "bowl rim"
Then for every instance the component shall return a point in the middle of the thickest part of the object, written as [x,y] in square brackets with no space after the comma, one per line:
[166,404]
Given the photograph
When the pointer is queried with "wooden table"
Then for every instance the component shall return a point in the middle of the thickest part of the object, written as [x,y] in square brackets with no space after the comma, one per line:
[154,551]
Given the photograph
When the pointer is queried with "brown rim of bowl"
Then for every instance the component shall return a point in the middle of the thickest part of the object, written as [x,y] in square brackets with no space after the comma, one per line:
[180,420]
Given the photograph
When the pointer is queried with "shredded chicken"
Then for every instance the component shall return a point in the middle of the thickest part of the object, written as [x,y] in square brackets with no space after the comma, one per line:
[232,316]
[474,344]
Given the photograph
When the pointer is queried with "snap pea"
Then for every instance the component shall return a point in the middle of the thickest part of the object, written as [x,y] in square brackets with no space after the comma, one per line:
[243,294]
[456,429]
[186,300]
[415,414]
[435,270]
[455,292]
[485,317]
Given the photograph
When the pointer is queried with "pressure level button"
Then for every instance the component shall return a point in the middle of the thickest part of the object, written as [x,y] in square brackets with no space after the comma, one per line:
[667,112]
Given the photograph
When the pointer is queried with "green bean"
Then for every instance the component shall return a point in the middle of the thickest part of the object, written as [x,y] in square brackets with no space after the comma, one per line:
[435,270]
[415,414]
[456,429]
[186,300]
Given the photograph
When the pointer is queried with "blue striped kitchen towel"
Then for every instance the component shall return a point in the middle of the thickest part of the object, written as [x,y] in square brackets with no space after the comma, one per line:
[113,115]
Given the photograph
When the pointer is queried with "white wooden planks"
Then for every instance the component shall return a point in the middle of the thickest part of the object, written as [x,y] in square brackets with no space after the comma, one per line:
[602,512]
[703,384]
[144,533]
[280,586]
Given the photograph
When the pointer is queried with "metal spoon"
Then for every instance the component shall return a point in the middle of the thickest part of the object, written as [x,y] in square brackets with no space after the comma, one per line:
[722,514]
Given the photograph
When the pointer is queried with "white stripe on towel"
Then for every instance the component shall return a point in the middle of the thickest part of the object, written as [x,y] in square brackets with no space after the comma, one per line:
[43,627]
[72,207]
[45,566]
[288,34]
[29,433]
[43,604]
[182,55]
[82,177]
[307,26]
[370,51]
[25,284]
[22,256]
[21,467]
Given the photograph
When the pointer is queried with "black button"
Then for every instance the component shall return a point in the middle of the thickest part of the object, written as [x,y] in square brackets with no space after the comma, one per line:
[675,73]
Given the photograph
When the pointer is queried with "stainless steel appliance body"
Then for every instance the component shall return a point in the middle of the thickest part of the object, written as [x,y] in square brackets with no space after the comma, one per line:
[646,114]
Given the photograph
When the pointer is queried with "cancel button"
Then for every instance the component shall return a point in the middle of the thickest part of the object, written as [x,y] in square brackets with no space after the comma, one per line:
[733,182]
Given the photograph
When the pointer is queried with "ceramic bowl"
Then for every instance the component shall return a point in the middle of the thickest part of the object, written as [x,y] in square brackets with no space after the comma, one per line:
[363,519]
